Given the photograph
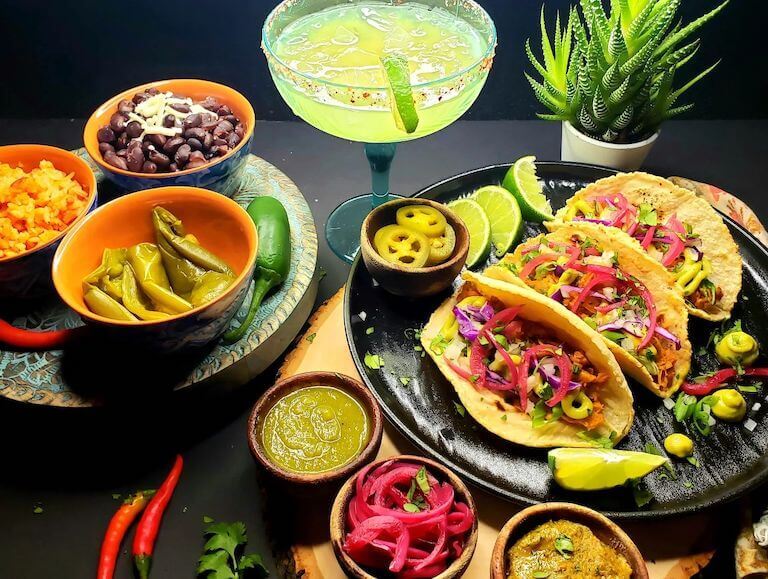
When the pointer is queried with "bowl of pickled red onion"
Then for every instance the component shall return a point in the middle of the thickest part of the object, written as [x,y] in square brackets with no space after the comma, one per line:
[405,516]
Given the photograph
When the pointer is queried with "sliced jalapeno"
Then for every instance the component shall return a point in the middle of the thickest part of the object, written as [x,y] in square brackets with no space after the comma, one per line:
[441,247]
[423,219]
[402,246]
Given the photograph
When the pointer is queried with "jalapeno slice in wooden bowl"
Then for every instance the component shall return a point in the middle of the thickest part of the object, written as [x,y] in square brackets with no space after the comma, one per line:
[422,218]
[402,246]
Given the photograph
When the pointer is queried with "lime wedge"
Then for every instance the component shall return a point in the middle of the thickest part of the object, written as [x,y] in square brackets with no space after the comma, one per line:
[399,77]
[591,469]
[522,182]
[479,228]
[504,214]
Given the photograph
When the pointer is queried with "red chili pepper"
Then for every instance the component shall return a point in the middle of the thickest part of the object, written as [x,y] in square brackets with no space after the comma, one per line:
[719,379]
[121,520]
[33,340]
[146,533]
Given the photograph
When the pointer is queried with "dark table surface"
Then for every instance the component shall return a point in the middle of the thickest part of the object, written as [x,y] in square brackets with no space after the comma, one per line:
[70,463]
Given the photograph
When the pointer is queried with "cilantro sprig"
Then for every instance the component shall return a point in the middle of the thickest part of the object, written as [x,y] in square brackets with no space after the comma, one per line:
[224,556]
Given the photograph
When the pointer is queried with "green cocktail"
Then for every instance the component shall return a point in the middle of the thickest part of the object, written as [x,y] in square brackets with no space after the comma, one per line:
[325,57]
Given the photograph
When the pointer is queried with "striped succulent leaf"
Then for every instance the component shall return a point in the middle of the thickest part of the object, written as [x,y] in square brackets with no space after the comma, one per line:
[611,74]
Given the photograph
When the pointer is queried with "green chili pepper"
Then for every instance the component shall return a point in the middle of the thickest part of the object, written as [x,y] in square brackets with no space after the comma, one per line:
[101,303]
[133,300]
[168,226]
[147,264]
[273,260]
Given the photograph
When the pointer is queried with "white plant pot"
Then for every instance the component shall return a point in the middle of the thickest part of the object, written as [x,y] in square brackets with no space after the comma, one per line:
[579,147]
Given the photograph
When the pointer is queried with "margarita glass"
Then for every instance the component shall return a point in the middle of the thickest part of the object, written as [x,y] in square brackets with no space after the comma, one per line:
[325,57]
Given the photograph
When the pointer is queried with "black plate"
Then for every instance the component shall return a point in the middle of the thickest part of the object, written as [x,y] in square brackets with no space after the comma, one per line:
[732,459]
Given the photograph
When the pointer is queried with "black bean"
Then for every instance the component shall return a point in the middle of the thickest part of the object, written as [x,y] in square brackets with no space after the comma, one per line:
[195,133]
[231,118]
[233,140]
[181,107]
[133,129]
[169,121]
[122,141]
[152,91]
[172,144]
[223,129]
[211,103]
[135,157]
[219,141]
[149,167]
[159,159]
[115,161]
[182,154]
[240,130]
[157,140]
[224,110]
[122,153]
[195,163]
[195,144]
[207,141]
[125,106]
[196,156]
[117,122]
[105,135]
[173,167]
[104,147]
[221,150]
[147,146]
[140,97]
[193,120]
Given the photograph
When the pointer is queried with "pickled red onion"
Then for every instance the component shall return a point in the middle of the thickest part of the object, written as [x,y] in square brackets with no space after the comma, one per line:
[381,534]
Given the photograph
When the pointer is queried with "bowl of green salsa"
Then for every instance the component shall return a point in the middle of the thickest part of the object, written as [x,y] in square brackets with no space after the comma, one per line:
[315,428]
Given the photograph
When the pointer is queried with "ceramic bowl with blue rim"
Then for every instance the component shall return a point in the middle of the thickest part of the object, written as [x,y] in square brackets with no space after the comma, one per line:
[220,174]
[28,275]
[220,225]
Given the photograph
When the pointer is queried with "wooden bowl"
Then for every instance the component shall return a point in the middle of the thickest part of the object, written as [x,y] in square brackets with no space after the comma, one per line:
[412,282]
[339,509]
[603,528]
[221,225]
[325,480]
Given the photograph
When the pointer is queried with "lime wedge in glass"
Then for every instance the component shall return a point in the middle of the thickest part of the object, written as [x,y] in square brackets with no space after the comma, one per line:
[591,469]
[522,182]
[479,228]
[504,214]
[399,78]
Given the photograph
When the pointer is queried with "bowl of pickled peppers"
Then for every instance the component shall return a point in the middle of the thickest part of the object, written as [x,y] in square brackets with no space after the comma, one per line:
[414,247]
[165,268]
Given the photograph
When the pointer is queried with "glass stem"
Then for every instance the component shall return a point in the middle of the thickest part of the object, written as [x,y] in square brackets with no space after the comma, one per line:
[380,157]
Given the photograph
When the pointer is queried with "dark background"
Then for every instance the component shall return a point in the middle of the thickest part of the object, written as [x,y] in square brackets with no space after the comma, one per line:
[64,58]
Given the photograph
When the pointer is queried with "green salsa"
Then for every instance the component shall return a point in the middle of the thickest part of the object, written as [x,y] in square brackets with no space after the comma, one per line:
[315,429]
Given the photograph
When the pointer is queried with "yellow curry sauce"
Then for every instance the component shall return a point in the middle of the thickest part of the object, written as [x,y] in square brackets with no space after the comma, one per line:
[564,550]
[315,429]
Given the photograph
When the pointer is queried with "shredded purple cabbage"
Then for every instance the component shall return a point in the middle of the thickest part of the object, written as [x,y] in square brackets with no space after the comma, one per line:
[467,327]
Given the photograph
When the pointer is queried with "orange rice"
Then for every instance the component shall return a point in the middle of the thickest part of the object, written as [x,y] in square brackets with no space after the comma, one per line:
[36,207]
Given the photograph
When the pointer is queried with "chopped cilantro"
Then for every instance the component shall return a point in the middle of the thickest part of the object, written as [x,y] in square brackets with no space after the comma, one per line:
[693,460]
[640,492]
[540,574]
[369,331]
[647,215]
[504,417]
[688,484]
[223,553]
[564,546]
[38,510]
[373,361]
[207,520]
[311,337]
[461,411]
[116,496]
[405,380]
[423,480]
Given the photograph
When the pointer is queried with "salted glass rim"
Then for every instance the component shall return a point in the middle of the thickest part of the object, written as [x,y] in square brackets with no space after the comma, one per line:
[484,14]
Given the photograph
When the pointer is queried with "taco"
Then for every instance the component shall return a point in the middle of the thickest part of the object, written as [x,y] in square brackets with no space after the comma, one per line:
[617,289]
[675,227]
[528,373]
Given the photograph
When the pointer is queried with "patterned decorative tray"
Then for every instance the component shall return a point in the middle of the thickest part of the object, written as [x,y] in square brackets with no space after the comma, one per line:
[93,376]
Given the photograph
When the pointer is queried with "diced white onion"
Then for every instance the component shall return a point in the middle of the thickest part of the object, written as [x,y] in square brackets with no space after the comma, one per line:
[750,424]
[362,315]
[669,404]
[756,406]
[711,421]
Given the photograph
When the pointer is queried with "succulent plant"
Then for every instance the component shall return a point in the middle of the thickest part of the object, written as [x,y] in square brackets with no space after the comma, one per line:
[611,75]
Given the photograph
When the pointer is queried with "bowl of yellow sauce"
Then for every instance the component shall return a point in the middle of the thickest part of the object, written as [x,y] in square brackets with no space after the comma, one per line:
[315,428]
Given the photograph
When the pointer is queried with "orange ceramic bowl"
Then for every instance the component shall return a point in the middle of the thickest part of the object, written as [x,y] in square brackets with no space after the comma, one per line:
[28,275]
[222,174]
[219,223]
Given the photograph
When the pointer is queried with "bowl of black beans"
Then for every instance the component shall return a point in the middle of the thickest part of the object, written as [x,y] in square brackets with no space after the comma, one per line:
[172,132]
